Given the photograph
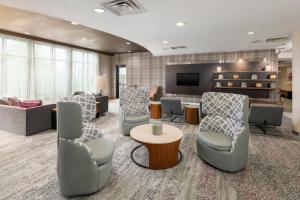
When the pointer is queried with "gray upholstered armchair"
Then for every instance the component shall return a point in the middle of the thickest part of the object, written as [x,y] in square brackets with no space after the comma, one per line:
[84,157]
[223,135]
[134,108]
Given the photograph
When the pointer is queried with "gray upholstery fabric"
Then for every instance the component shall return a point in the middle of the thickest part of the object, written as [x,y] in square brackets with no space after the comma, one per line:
[25,121]
[226,160]
[217,141]
[171,106]
[77,167]
[265,114]
[133,118]
[226,114]
[134,106]
[102,150]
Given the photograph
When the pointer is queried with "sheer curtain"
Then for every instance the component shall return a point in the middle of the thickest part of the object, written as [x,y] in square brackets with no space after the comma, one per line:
[38,70]
[84,71]
[14,67]
[51,72]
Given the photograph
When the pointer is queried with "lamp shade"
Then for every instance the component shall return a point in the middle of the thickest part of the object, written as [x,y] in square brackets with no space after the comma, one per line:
[101,83]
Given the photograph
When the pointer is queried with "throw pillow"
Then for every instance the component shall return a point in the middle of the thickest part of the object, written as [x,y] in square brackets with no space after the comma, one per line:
[13,101]
[30,104]
[4,102]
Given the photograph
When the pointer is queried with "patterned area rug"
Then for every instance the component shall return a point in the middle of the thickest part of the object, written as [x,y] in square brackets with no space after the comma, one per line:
[273,170]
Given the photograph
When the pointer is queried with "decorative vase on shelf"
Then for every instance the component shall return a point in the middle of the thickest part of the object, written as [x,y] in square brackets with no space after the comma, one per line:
[244,85]
[221,76]
[273,76]
[236,76]
[258,85]
[218,84]
[254,76]
[219,69]
[268,68]
[230,84]
[273,85]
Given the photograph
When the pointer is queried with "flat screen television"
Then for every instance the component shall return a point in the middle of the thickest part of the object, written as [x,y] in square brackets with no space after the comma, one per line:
[187,79]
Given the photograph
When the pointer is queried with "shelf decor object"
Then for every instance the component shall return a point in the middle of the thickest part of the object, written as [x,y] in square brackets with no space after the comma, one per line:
[218,84]
[230,84]
[273,76]
[221,76]
[244,85]
[268,68]
[254,76]
[236,76]
[258,85]
[219,69]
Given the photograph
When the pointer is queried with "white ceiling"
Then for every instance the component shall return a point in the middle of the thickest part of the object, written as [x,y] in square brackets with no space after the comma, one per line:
[211,25]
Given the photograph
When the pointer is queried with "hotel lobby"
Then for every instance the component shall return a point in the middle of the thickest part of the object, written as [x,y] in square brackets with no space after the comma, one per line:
[136,99]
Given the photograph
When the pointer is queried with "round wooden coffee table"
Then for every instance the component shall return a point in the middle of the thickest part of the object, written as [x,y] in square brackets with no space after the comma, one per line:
[163,149]
[192,114]
[155,107]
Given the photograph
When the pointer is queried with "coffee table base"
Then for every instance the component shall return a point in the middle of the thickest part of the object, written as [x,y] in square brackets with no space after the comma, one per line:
[159,156]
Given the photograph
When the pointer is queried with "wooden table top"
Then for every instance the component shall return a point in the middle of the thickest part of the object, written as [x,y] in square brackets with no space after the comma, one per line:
[143,134]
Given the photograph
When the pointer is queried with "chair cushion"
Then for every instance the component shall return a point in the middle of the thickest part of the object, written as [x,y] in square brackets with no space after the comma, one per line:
[101,149]
[217,141]
[133,118]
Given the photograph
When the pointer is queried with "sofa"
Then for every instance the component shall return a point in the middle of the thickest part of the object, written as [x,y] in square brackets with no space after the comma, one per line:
[25,121]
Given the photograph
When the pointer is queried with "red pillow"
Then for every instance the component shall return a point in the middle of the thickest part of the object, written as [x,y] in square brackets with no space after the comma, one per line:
[30,104]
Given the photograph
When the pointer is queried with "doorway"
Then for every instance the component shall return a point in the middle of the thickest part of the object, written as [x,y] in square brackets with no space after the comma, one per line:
[120,78]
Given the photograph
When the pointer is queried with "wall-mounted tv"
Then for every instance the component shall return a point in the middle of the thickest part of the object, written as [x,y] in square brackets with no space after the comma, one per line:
[187,79]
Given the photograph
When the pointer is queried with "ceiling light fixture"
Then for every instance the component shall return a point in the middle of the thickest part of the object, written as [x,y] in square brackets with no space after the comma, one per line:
[129,51]
[250,32]
[127,42]
[165,42]
[99,10]
[27,33]
[84,38]
[74,23]
[180,24]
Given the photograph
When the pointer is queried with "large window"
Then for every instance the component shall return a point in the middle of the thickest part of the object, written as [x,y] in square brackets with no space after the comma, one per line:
[14,68]
[84,68]
[30,69]
[52,71]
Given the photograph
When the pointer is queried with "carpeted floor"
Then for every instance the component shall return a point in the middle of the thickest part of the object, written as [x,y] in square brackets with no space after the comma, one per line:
[28,168]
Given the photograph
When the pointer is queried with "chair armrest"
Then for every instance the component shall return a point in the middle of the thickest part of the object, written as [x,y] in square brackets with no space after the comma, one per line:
[240,140]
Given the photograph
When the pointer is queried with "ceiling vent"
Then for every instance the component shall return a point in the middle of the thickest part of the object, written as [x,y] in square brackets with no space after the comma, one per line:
[124,7]
[178,47]
[278,39]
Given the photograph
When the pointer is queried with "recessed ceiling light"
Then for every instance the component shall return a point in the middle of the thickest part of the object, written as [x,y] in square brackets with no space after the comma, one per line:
[99,10]
[84,38]
[26,33]
[74,23]
[250,32]
[127,42]
[43,23]
[180,24]
[165,42]
[128,51]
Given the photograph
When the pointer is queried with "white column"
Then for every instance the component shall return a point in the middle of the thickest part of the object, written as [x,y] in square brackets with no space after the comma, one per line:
[296,81]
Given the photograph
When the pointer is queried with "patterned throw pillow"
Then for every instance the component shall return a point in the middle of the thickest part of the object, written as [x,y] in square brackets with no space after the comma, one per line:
[219,124]
[4,102]
[13,101]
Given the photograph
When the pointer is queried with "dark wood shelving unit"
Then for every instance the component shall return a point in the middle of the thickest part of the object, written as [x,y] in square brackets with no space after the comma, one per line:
[247,88]
[254,80]
[245,72]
